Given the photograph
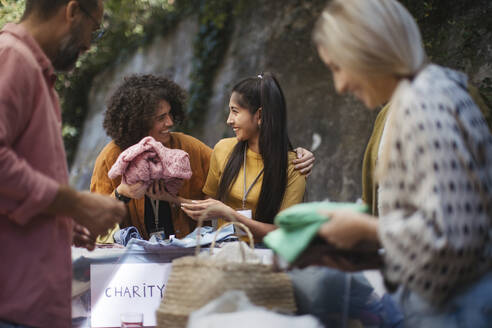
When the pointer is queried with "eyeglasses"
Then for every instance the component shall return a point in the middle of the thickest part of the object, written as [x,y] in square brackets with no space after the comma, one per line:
[97,34]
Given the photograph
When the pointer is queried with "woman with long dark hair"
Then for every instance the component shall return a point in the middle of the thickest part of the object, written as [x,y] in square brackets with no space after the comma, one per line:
[251,177]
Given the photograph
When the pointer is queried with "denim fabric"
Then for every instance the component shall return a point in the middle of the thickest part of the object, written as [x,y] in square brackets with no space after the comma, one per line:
[4,324]
[471,307]
[123,236]
[207,235]
[334,297]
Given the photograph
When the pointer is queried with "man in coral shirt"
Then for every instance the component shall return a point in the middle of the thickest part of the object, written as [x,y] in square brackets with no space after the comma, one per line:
[36,204]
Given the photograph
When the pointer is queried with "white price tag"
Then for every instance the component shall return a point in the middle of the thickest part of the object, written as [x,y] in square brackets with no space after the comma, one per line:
[249,215]
[246,213]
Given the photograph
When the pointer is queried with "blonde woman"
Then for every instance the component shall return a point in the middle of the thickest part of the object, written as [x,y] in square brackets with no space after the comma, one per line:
[434,169]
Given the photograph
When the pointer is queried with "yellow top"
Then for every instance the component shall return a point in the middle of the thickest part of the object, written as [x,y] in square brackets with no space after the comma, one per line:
[296,182]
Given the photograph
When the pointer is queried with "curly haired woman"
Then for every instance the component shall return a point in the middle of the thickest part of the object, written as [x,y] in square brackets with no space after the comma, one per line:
[148,105]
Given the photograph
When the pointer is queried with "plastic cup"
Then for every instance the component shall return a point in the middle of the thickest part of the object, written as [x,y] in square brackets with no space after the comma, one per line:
[131,320]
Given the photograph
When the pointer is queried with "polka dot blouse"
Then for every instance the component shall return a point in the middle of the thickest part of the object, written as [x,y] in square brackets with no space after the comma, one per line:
[435,192]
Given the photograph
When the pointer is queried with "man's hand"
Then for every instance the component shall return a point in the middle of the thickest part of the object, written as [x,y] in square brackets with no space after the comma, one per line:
[304,162]
[97,213]
[82,237]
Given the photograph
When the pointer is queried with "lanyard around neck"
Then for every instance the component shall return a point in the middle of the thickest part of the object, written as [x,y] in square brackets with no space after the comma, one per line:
[155,208]
[246,192]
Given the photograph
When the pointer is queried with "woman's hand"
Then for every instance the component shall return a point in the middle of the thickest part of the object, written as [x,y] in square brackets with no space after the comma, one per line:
[317,255]
[304,162]
[347,228]
[207,209]
[157,190]
[135,191]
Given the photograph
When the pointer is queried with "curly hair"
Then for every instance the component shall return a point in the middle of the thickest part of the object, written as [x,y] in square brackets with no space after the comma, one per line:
[132,107]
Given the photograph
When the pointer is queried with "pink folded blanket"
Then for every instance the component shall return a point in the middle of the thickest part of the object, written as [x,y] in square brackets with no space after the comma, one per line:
[149,161]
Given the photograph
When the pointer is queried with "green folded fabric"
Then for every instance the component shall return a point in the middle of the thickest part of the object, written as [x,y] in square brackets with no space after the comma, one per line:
[299,224]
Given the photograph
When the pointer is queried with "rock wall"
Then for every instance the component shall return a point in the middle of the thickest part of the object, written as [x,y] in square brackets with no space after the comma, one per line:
[276,36]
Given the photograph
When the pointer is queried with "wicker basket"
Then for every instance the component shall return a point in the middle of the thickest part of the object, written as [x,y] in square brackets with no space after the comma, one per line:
[195,281]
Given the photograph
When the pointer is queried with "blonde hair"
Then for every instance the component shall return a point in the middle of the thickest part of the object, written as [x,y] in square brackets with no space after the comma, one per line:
[371,36]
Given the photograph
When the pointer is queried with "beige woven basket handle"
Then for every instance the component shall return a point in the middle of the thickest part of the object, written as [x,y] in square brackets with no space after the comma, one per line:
[240,225]
[198,233]
[243,227]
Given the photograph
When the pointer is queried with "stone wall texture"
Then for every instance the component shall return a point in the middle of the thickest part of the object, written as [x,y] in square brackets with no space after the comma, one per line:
[276,36]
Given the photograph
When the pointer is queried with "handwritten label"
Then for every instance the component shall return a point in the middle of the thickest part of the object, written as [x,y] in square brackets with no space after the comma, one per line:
[129,287]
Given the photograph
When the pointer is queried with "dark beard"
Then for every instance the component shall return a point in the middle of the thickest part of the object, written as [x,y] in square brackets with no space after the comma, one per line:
[68,51]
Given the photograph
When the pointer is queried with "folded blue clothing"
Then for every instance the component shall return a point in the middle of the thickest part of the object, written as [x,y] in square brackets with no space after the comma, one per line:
[206,237]
[124,235]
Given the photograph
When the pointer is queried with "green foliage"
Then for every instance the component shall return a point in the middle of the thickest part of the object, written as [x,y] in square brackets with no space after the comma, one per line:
[216,22]
[209,47]
[10,11]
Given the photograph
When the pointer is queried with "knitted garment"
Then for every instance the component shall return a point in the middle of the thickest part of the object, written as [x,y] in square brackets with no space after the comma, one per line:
[149,161]
[369,185]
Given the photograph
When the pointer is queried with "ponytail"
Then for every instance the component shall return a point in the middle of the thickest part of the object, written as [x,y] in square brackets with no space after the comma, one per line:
[263,92]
